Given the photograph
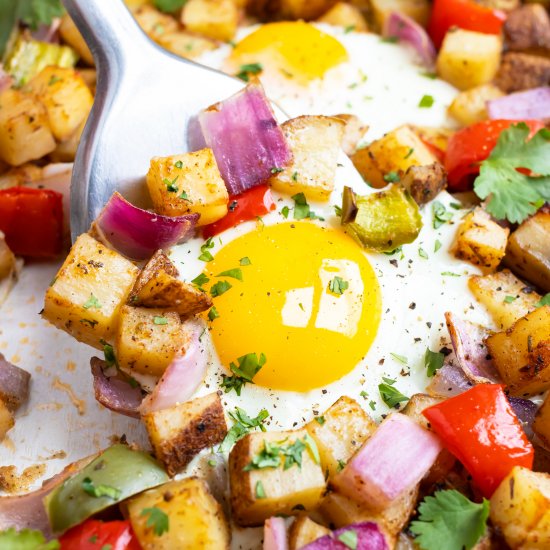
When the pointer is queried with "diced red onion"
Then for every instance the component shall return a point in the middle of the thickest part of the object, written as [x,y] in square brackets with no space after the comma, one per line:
[368,536]
[48,33]
[14,384]
[525,410]
[391,462]
[113,393]
[182,377]
[6,81]
[275,537]
[246,140]
[195,137]
[409,31]
[529,105]
[449,381]
[138,233]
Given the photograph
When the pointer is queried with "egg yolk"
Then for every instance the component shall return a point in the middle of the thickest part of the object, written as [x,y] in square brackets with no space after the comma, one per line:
[296,49]
[308,300]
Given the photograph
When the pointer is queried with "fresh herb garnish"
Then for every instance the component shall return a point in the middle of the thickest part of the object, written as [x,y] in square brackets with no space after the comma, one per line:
[422,253]
[426,101]
[249,69]
[169,6]
[248,366]
[245,261]
[171,185]
[26,539]
[544,301]
[349,538]
[235,273]
[320,420]
[271,456]
[200,280]
[99,491]
[158,520]
[160,320]
[433,360]
[400,358]
[428,74]
[260,491]
[92,302]
[178,164]
[243,424]
[390,395]
[510,299]
[205,254]
[349,28]
[450,274]
[213,313]
[391,177]
[302,209]
[338,285]
[440,214]
[221,287]
[341,465]
[437,245]
[285,210]
[277,170]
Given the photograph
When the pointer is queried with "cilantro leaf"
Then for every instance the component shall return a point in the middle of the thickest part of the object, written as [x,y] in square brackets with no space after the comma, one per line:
[449,520]
[235,273]
[248,366]
[512,195]
[302,209]
[243,425]
[390,395]
[169,6]
[98,491]
[544,301]
[338,286]
[433,360]
[249,69]
[158,520]
[25,540]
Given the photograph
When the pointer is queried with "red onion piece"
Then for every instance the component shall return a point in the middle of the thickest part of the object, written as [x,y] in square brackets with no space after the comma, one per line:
[449,381]
[48,33]
[246,140]
[391,462]
[529,105]
[113,393]
[182,377]
[14,384]
[6,81]
[525,410]
[138,233]
[409,31]
[369,537]
[275,534]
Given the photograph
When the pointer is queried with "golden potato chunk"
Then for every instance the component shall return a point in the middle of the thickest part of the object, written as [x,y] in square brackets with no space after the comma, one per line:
[315,142]
[419,10]
[71,35]
[195,518]
[215,19]
[468,59]
[521,354]
[345,15]
[259,492]
[504,295]
[424,183]
[153,22]
[481,241]
[303,531]
[185,44]
[354,131]
[340,432]
[541,425]
[85,297]
[470,106]
[188,183]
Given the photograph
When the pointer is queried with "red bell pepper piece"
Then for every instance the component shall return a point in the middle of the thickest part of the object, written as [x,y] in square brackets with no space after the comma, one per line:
[249,205]
[481,429]
[32,220]
[96,535]
[472,145]
[465,14]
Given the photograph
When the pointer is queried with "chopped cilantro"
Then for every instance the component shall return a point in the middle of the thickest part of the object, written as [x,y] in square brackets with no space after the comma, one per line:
[160,320]
[171,185]
[302,209]
[544,301]
[268,457]
[109,353]
[271,456]
[312,448]
[169,6]
[277,170]
[235,273]
[285,210]
[99,491]
[349,539]
[243,424]
[338,285]
[422,253]
[248,366]
[450,274]
[39,12]
[26,539]
[409,153]
[294,176]
[390,395]
[213,313]
[364,394]
[200,280]
[184,196]
[426,102]
[349,28]
[341,465]
[178,164]
[245,261]
[400,358]
[510,299]
[440,214]
[249,69]
[260,491]
[437,245]
[391,177]
[428,74]
[320,420]
[338,210]
[433,360]
[92,302]
[221,287]
[158,520]
[372,405]
[206,256]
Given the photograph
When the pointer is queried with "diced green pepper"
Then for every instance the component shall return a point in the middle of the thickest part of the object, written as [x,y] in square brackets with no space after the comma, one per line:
[381,221]
[116,474]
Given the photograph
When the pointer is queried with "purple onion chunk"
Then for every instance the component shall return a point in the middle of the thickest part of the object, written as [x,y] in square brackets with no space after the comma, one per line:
[529,105]
[525,410]
[362,536]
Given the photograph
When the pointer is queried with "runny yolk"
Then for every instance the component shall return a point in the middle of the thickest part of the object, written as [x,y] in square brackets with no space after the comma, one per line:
[309,301]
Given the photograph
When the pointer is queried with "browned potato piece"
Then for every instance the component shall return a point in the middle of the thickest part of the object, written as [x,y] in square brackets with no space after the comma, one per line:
[470,106]
[354,131]
[397,151]
[419,10]
[154,23]
[339,432]
[195,518]
[521,354]
[504,295]
[527,28]
[541,426]
[71,35]
[186,44]
[179,433]
[481,241]
[424,183]
[528,251]
[521,71]
[257,494]
[303,531]
[216,19]
[345,15]
[289,9]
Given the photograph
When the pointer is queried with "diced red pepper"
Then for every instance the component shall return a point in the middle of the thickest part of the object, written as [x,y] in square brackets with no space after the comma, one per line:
[32,220]
[96,535]
[249,205]
[464,14]
[472,145]
[481,429]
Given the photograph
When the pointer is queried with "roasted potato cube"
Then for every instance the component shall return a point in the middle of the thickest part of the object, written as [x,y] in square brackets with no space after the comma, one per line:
[419,10]
[521,71]
[288,9]
[470,106]
[396,152]
[195,518]
[257,494]
[71,35]
[315,142]
[468,59]
[7,421]
[85,296]
[66,150]
[155,23]
[185,44]
[424,183]
[215,19]
[504,295]
[518,505]
[148,339]
[179,433]
[541,425]
[339,432]
[481,241]
[521,354]
[66,97]
[528,251]
[354,131]
[303,531]
[345,15]
[527,28]
[25,132]
[183,184]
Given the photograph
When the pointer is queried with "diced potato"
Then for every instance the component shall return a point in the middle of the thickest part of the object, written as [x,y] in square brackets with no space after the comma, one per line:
[7,421]
[185,44]
[354,131]
[468,59]
[522,71]
[90,78]
[257,494]
[215,19]
[470,106]
[340,432]
[179,433]
[148,339]
[520,502]
[66,97]
[504,295]
[480,240]
[424,183]
[195,518]
[25,132]
[155,23]
[397,151]
[303,531]
[315,142]
[268,10]
[541,425]
[183,184]
[419,10]
[528,251]
[528,29]
[345,15]
[521,354]
[85,297]
[71,35]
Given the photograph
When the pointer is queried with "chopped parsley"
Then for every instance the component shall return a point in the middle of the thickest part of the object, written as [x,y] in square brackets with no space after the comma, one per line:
[248,366]
[245,261]
[213,313]
[544,301]
[285,210]
[338,286]
[390,395]
[426,102]
[235,273]
[272,455]
[206,256]
[433,360]
[184,196]
[243,424]
[260,491]
[249,69]
[160,320]
[391,177]
[440,214]
[510,299]
[349,539]
[221,287]
[422,253]
[302,209]
[158,520]
[92,302]
[99,491]
[200,280]
[450,274]
[171,185]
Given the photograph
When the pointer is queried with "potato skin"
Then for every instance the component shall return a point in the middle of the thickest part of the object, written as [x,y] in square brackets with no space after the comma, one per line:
[215,19]
[424,183]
